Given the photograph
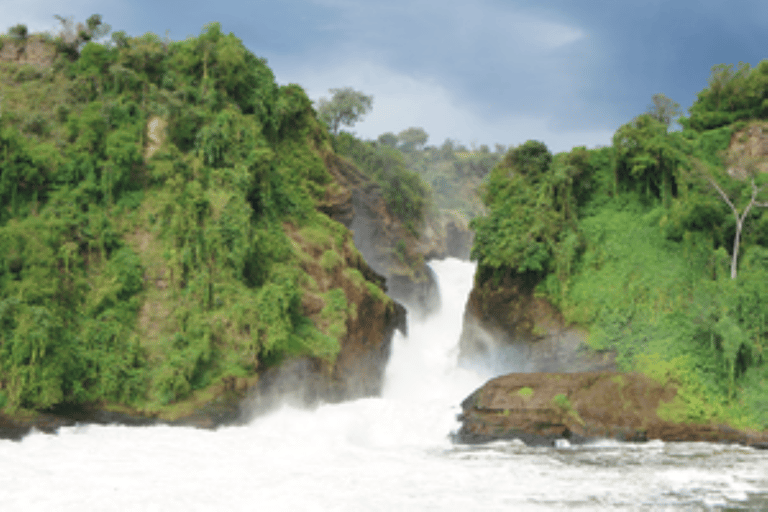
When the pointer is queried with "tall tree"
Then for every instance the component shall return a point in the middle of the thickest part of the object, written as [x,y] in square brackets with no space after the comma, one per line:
[646,158]
[388,139]
[346,107]
[412,139]
[523,223]
[664,109]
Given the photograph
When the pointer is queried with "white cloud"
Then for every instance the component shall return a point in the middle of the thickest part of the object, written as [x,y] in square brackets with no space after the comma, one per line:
[401,101]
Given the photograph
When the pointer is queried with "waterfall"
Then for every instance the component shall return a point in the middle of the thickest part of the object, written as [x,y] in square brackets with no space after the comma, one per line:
[388,453]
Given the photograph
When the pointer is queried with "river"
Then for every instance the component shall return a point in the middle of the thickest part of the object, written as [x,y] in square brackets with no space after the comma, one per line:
[377,454]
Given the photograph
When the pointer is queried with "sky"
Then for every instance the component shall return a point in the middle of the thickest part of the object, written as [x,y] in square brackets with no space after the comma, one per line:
[478,72]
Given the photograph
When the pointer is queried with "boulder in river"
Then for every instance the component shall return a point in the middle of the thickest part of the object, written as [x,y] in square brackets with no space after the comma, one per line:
[540,408]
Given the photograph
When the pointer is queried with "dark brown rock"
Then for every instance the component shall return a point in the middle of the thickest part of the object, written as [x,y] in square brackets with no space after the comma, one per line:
[539,408]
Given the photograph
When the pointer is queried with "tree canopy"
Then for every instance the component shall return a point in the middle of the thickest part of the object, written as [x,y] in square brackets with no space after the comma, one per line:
[346,107]
[664,109]
[412,139]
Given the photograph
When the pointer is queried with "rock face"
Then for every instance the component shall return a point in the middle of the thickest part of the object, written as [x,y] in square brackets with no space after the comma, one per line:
[749,146]
[508,329]
[388,247]
[34,51]
[539,408]
[445,234]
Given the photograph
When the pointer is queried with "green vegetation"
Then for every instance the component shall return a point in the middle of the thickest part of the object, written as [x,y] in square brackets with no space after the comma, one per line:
[419,181]
[453,172]
[148,188]
[657,244]
[345,107]
[525,392]
[405,193]
[563,403]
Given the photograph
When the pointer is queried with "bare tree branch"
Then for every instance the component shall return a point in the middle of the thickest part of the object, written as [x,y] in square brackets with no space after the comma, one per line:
[740,218]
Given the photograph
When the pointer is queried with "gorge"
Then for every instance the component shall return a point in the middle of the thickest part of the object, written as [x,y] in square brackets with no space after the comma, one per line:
[209,300]
[391,452]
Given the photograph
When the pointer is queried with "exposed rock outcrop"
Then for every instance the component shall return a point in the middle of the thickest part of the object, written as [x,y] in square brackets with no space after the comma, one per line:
[749,148]
[445,234]
[388,247]
[34,51]
[539,408]
[508,329]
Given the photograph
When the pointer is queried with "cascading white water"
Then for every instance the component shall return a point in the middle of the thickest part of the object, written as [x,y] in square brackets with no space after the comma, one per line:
[388,453]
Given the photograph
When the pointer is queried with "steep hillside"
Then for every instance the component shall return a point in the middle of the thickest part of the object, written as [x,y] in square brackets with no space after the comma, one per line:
[167,230]
[655,246]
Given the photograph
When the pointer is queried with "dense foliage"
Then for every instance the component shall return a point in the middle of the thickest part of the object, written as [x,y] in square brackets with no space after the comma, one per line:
[346,107]
[732,95]
[418,179]
[453,171]
[406,194]
[145,185]
[635,241]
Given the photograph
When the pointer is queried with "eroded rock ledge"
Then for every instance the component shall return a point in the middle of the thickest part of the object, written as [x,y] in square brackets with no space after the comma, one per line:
[539,408]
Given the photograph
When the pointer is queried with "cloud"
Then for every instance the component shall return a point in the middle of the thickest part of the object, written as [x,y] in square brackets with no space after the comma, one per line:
[402,100]
[38,15]
[476,71]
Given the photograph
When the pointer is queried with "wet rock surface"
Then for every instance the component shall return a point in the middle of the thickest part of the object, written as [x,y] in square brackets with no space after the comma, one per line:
[508,329]
[540,408]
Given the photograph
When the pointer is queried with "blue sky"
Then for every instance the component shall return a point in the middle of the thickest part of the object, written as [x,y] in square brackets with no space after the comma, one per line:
[481,72]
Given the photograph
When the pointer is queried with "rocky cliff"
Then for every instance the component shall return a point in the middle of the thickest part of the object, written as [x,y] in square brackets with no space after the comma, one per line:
[385,243]
[507,328]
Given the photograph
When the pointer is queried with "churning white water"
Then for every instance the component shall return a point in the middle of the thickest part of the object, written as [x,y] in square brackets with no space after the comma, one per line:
[388,453]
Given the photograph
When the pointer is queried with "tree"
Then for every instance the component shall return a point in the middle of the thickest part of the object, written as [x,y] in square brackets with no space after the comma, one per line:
[664,109]
[446,149]
[18,32]
[74,36]
[647,157]
[346,107]
[524,221]
[733,94]
[412,139]
[742,170]
[388,139]
[96,28]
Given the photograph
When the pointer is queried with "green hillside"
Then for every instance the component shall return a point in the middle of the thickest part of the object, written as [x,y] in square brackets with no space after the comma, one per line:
[636,242]
[158,203]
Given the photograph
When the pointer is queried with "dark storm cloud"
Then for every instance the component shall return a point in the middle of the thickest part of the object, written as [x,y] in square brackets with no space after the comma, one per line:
[490,70]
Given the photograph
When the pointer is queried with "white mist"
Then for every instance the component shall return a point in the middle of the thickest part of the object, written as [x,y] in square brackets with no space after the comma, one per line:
[377,454]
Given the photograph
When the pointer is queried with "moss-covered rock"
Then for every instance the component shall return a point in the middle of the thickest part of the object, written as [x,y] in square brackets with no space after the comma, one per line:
[540,408]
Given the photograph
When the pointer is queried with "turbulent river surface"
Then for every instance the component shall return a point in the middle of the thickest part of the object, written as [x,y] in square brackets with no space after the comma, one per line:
[388,453]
